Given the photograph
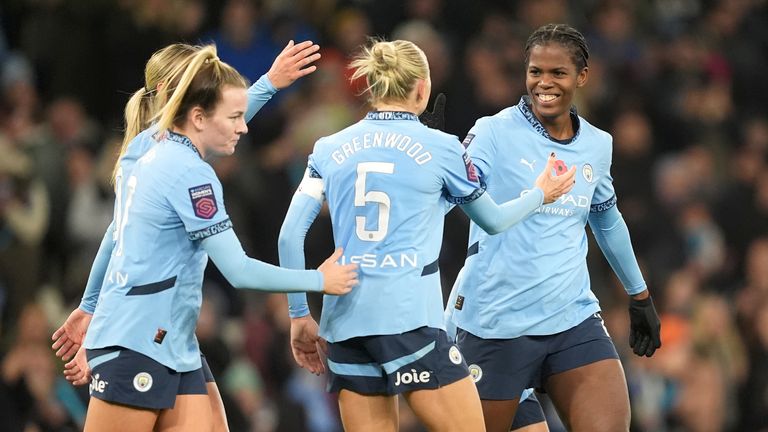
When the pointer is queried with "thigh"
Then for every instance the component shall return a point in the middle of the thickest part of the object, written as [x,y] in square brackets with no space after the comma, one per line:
[529,416]
[360,412]
[592,398]
[217,408]
[214,396]
[107,416]
[503,368]
[191,412]
[454,407]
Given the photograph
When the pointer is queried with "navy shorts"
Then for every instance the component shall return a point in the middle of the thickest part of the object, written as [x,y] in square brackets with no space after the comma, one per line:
[528,412]
[127,377]
[503,368]
[391,364]
[207,374]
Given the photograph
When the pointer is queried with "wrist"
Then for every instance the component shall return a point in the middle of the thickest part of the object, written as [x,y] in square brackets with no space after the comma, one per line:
[645,294]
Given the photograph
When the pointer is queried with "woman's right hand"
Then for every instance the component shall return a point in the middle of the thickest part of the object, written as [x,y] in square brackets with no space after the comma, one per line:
[338,279]
[555,186]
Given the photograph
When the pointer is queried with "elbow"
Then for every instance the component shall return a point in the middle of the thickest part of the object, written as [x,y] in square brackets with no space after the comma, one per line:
[489,228]
[236,282]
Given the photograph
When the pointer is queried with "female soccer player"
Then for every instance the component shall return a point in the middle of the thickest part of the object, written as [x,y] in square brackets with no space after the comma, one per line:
[525,312]
[387,180]
[291,64]
[140,343]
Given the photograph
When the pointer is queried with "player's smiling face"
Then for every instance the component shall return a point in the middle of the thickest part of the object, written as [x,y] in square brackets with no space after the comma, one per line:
[551,79]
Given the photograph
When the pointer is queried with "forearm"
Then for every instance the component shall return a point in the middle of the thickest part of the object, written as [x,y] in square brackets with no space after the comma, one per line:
[241,271]
[98,272]
[494,218]
[258,95]
[301,213]
[612,236]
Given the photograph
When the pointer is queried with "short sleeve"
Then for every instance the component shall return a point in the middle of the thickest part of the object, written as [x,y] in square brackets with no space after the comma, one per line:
[460,179]
[605,196]
[481,145]
[198,199]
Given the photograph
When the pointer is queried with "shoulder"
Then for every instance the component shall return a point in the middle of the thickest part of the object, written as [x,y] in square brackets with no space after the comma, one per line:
[595,133]
[337,138]
[177,160]
[503,118]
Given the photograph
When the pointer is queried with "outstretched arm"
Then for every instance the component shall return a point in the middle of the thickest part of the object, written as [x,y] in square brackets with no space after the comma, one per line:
[494,218]
[241,271]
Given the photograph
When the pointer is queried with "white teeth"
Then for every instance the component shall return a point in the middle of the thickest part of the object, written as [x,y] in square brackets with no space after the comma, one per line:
[547,97]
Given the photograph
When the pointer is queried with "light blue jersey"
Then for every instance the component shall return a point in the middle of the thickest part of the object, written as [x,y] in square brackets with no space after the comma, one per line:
[171,199]
[258,95]
[386,180]
[532,279]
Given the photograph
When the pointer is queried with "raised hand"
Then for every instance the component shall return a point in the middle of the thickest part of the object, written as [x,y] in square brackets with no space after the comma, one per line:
[554,186]
[435,119]
[68,338]
[294,62]
[338,279]
[77,371]
[306,345]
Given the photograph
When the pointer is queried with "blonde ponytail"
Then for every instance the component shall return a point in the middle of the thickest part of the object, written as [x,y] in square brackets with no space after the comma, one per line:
[391,69]
[162,69]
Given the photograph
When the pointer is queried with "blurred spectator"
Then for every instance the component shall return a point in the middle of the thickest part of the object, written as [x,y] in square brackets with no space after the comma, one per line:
[33,395]
[24,204]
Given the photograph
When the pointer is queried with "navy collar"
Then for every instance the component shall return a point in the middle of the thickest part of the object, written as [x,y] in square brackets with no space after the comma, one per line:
[391,115]
[525,107]
[182,139]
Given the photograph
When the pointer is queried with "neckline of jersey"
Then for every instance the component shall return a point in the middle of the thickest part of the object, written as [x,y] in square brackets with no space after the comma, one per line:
[525,108]
[391,115]
[183,139]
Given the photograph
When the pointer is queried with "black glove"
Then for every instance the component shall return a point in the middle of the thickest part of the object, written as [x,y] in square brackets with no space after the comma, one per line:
[644,327]
[435,119]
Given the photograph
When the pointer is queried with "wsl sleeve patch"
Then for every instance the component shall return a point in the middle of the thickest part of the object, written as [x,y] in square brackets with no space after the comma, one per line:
[468,140]
[471,172]
[203,201]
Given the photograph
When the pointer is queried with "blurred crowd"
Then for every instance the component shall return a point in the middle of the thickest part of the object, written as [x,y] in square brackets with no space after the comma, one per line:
[679,84]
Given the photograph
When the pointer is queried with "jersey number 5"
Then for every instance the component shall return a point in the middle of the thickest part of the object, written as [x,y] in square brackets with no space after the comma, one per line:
[363,198]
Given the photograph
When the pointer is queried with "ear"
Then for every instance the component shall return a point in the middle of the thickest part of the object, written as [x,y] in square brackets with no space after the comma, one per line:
[583,77]
[196,117]
[421,90]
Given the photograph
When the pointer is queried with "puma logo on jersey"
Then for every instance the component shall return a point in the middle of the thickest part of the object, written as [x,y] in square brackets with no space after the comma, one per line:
[528,164]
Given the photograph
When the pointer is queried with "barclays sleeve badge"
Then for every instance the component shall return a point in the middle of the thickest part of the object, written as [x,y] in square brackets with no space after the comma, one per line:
[203,201]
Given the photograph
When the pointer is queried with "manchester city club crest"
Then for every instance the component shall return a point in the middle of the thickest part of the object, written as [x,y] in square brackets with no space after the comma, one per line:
[475,372]
[142,382]
[587,172]
[454,354]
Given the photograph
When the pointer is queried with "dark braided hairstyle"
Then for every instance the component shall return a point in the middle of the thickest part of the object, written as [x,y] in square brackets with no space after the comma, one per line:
[564,35]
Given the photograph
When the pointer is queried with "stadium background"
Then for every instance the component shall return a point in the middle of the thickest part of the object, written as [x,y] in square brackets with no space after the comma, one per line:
[681,85]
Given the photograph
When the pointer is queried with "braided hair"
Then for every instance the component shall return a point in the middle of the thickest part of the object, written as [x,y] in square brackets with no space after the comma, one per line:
[564,35]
